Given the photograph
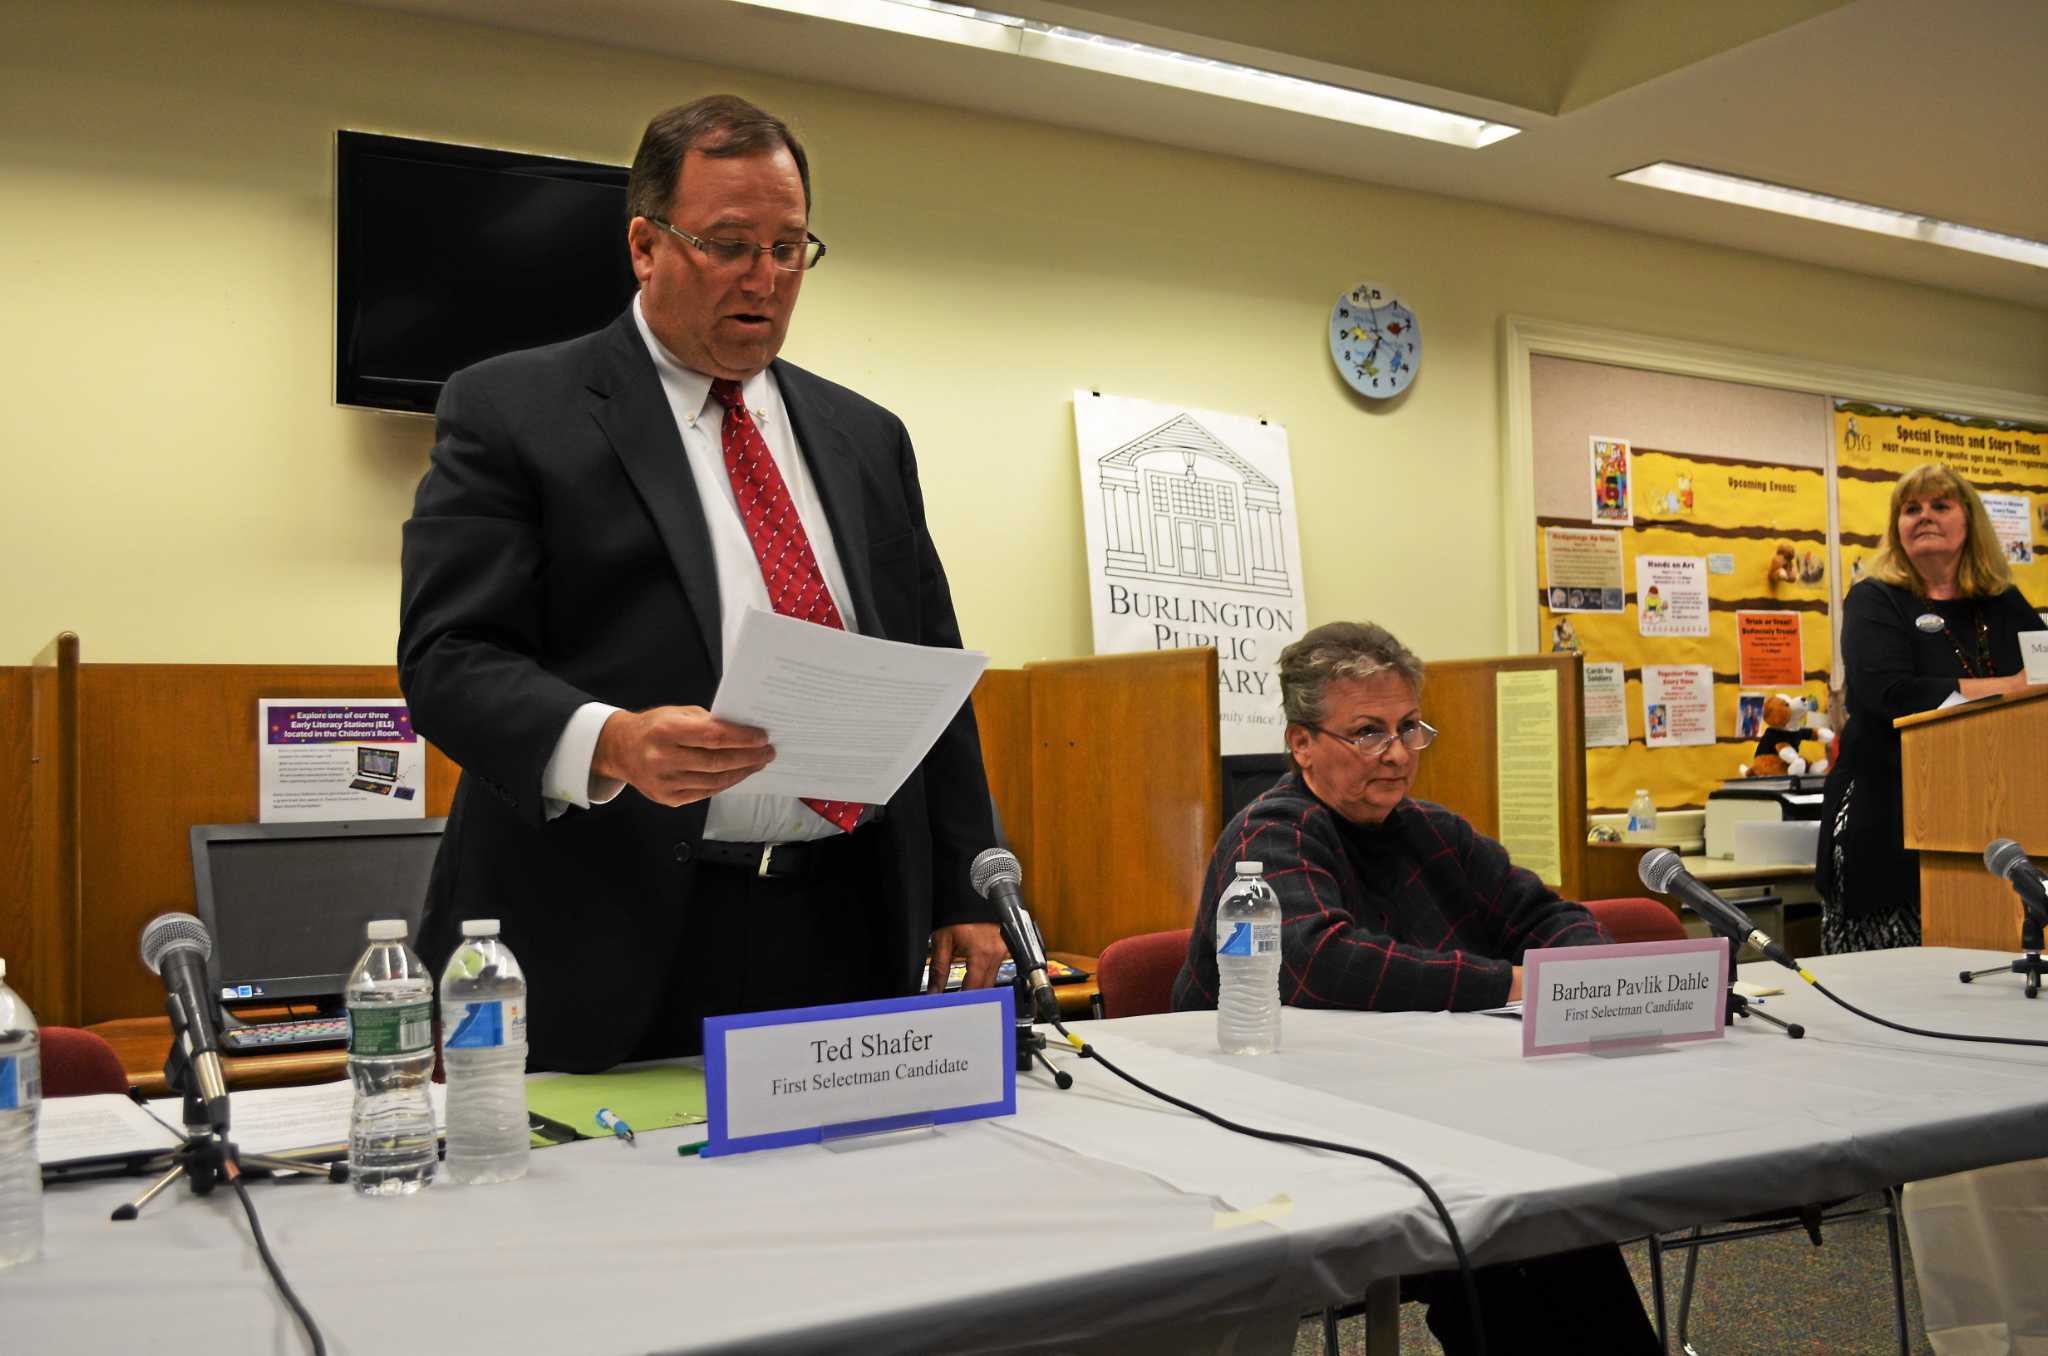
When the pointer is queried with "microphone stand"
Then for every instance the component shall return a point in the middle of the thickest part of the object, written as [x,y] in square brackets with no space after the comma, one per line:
[1739,1004]
[207,1157]
[2031,965]
[1030,1040]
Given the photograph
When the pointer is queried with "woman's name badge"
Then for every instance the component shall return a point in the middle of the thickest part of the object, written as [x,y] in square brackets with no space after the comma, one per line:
[1929,623]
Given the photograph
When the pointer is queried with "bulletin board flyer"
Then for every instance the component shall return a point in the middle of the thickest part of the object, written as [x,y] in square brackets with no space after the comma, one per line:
[329,758]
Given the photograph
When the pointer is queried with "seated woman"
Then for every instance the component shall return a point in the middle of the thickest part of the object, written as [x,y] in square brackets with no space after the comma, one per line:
[1386,903]
[1392,904]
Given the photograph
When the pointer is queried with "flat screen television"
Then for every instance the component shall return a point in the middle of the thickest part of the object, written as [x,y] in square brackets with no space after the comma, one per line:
[287,904]
[446,255]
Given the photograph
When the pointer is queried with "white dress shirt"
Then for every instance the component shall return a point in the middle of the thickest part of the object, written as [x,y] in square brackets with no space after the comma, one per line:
[733,815]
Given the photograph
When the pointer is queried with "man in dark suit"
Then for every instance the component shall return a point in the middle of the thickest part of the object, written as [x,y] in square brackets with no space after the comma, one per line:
[596,517]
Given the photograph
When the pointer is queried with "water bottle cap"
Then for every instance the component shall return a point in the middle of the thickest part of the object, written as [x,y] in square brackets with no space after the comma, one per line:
[387,929]
[1251,868]
[479,927]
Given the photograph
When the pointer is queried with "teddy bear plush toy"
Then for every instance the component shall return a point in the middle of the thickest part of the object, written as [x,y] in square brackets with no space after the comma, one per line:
[1788,723]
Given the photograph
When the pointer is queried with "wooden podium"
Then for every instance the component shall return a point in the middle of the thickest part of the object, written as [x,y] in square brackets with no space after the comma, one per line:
[1974,773]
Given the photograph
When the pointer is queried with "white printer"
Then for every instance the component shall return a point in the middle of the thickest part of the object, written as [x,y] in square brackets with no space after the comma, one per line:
[1791,801]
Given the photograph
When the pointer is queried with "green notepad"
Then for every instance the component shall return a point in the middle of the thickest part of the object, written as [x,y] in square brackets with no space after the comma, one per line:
[646,1099]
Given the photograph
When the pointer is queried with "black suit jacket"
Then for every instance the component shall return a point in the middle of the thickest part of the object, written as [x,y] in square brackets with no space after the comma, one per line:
[557,554]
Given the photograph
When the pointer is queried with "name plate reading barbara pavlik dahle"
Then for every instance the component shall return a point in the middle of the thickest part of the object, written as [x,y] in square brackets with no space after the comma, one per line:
[1592,998]
[798,1075]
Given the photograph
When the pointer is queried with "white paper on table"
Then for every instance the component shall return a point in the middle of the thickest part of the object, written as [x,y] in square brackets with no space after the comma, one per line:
[850,716]
[285,1120]
[102,1125]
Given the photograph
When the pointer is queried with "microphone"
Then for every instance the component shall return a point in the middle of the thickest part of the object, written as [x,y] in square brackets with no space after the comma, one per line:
[175,947]
[1664,873]
[995,876]
[2004,857]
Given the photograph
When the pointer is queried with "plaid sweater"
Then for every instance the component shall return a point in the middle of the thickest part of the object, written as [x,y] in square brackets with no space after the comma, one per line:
[1416,913]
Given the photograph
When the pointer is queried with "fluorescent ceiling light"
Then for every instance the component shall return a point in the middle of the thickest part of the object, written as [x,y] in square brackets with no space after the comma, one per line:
[995,32]
[1862,216]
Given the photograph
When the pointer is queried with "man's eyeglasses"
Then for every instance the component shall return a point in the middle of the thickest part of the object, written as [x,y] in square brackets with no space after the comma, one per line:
[791,256]
[1416,734]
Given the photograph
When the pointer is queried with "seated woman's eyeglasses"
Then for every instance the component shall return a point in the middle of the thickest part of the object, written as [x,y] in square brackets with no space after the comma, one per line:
[1416,734]
[791,256]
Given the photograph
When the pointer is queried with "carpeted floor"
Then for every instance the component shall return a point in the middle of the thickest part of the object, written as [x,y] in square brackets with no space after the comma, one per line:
[1777,1296]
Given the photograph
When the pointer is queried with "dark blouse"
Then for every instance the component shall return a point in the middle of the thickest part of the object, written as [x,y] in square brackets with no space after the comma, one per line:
[1895,667]
[1418,912]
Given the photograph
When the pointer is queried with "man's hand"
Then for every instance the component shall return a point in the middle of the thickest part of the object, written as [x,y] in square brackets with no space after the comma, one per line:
[979,944]
[1515,988]
[674,755]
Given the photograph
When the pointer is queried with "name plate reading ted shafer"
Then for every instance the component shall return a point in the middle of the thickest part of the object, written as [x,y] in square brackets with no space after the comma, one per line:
[1586,998]
[795,1076]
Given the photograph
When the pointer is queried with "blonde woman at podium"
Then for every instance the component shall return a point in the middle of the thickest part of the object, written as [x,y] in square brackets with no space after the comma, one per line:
[1935,615]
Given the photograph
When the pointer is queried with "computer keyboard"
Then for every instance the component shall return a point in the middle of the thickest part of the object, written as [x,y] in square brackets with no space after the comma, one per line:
[299,1031]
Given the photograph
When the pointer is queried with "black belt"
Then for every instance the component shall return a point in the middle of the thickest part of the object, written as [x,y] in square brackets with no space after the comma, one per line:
[780,861]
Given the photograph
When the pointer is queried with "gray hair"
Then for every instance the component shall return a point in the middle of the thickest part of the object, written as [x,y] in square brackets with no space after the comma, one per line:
[1334,651]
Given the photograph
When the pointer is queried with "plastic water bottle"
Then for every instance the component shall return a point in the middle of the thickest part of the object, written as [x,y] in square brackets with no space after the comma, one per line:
[390,1058]
[1248,964]
[21,1099]
[483,1050]
[1642,817]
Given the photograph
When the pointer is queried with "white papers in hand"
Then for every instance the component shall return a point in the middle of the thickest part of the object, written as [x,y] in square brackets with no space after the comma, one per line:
[850,716]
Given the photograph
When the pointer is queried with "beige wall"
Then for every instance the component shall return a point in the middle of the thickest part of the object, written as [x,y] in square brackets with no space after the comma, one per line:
[179,486]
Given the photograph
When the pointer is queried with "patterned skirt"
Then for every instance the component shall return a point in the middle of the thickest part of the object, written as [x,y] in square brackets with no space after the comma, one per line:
[1868,932]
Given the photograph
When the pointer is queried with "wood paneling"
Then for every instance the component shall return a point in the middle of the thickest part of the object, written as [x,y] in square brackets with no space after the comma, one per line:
[1974,773]
[17,877]
[49,960]
[1002,710]
[164,747]
[1612,872]
[1127,795]
[1460,770]
[1962,904]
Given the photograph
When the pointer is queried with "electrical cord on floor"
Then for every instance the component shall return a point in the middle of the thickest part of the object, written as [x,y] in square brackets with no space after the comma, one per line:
[233,1172]
[1281,1137]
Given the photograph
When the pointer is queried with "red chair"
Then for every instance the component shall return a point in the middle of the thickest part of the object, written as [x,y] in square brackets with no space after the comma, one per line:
[1637,920]
[1134,975]
[77,1062]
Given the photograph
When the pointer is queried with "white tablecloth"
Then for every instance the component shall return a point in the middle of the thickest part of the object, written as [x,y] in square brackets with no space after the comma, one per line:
[1092,1217]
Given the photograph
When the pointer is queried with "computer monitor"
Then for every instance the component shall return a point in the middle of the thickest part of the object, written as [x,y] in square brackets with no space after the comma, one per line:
[286,904]
[375,762]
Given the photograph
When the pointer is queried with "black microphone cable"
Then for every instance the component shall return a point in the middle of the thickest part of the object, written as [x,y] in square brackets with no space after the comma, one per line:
[1281,1137]
[233,1172]
[1661,871]
[1807,975]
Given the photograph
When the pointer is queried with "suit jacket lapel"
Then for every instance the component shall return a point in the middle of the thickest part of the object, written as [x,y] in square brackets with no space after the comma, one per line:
[630,406]
[835,469]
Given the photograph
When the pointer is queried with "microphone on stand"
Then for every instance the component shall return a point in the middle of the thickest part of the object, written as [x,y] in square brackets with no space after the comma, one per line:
[1662,872]
[175,947]
[996,877]
[2004,857]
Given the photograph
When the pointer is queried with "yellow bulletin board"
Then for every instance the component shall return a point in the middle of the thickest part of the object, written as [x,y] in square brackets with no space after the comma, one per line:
[1732,517]
[2006,462]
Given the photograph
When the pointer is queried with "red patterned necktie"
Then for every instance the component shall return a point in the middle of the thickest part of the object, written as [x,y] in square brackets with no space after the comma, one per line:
[796,587]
